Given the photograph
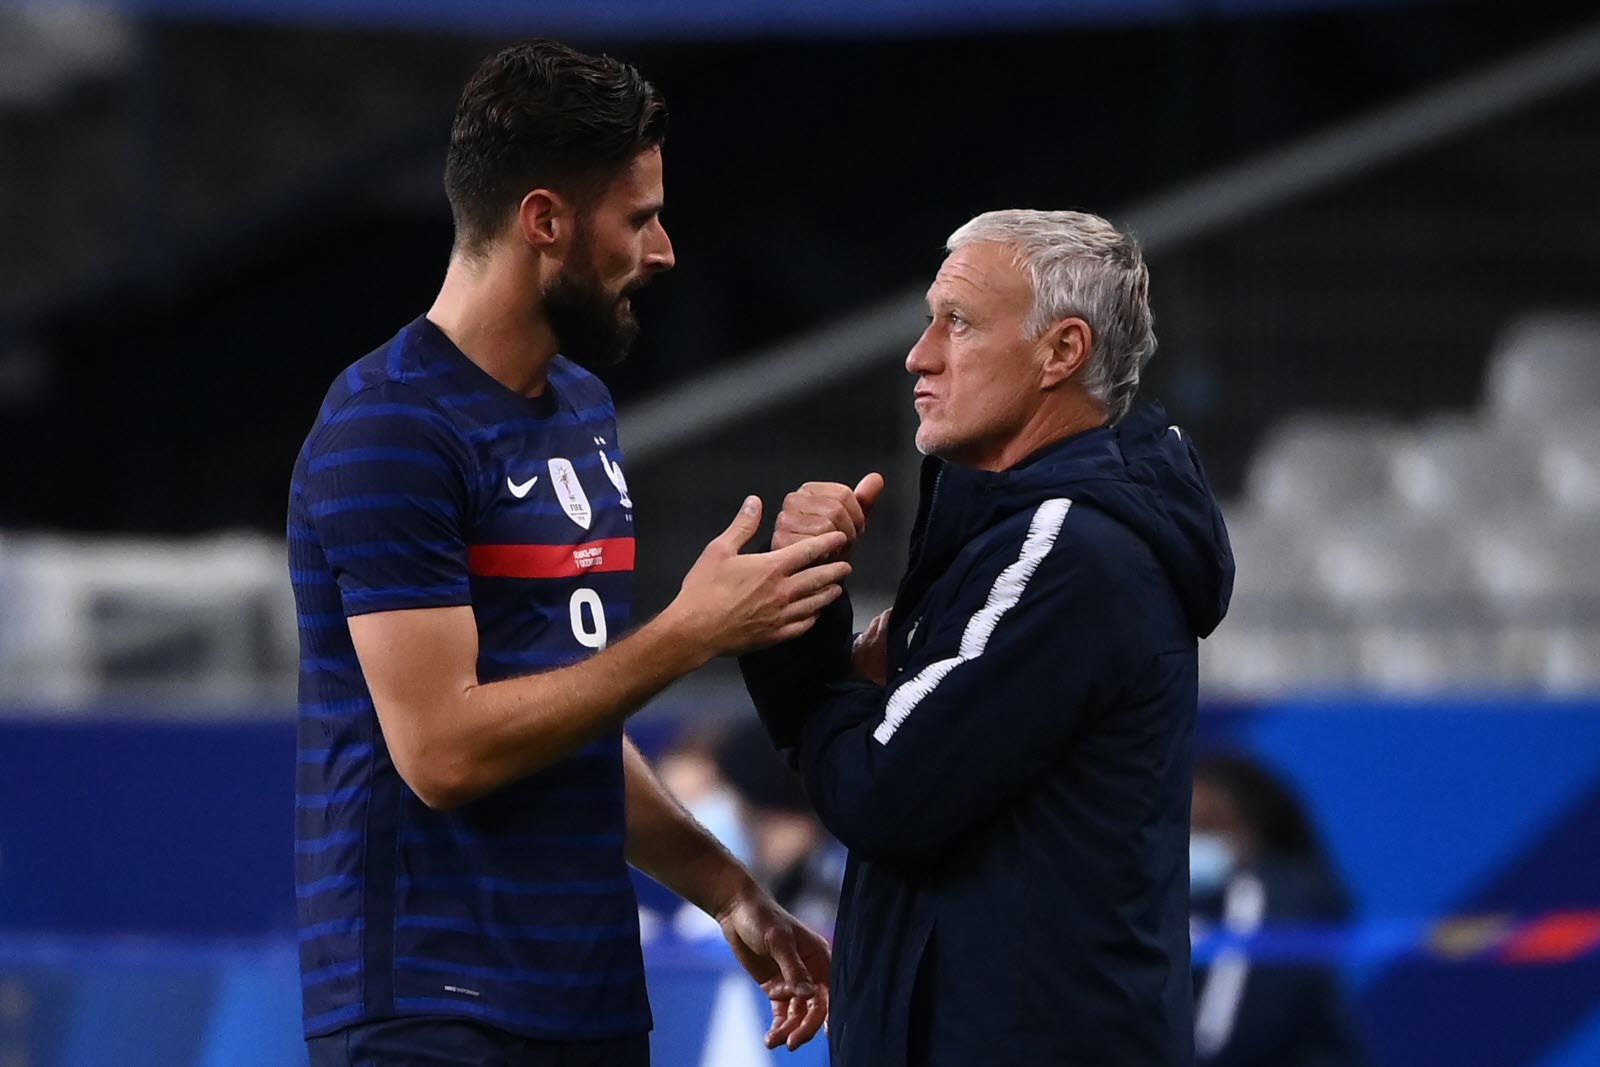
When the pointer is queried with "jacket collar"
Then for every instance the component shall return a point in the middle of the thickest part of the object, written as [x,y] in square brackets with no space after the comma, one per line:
[957,503]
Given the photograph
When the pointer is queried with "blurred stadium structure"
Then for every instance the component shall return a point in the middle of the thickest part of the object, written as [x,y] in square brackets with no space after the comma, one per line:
[1404,548]
[1383,326]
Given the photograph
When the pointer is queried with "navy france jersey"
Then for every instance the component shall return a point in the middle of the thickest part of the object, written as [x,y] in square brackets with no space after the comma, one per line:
[426,483]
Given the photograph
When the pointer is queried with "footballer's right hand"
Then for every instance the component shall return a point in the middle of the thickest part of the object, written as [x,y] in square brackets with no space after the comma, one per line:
[737,603]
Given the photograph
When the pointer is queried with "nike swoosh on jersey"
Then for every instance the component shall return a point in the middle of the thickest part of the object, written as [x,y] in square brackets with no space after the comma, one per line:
[520,491]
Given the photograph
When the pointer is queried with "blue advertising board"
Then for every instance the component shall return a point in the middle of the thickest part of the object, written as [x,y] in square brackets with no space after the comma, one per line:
[145,875]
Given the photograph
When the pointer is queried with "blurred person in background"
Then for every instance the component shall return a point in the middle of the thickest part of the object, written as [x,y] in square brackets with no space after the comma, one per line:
[690,770]
[794,856]
[461,547]
[1255,861]
[1007,753]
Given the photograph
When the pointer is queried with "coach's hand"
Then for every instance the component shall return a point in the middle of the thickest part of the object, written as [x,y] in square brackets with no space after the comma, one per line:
[788,960]
[819,507]
[738,603]
[870,652]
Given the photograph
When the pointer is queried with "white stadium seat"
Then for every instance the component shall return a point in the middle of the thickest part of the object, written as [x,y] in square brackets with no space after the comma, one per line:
[1459,466]
[1274,581]
[1267,660]
[1540,567]
[1432,658]
[1545,365]
[1569,462]
[1567,661]
[1379,565]
[1313,465]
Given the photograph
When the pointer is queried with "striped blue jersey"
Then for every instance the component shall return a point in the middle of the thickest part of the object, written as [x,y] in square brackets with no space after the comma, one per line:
[426,483]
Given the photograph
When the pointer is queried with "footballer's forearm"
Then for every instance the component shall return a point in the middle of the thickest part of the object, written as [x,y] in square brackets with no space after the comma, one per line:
[668,844]
[453,740]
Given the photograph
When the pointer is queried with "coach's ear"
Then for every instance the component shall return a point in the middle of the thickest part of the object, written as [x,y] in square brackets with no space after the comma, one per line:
[544,220]
[1065,350]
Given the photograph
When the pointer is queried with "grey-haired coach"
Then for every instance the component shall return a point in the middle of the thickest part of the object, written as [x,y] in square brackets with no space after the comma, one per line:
[1008,755]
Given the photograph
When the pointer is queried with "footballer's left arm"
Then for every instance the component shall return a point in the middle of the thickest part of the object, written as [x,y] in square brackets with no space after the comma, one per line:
[665,842]
[788,961]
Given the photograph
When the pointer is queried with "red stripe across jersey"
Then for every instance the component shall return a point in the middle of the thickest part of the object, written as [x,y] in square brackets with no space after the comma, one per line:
[550,561]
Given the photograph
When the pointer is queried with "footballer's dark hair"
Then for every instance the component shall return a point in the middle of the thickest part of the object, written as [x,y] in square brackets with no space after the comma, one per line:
[540,114]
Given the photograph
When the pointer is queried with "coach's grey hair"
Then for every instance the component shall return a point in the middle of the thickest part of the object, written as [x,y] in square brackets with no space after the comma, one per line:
[1079,264]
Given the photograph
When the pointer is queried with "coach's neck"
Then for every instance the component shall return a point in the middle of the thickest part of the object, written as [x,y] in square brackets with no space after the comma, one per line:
[1064,413]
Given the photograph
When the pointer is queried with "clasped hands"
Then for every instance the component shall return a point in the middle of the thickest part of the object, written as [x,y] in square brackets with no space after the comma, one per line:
[822,508]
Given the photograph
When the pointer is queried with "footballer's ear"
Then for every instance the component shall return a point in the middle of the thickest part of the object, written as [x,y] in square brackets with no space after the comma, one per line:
[1067,345]
[545,220]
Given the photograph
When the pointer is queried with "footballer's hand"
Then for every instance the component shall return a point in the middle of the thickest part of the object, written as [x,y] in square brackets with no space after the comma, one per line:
[788,961]
[734,603]
[818,507]
[870,653]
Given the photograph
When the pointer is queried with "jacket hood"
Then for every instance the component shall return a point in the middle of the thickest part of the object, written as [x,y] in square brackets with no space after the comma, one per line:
[1142,472]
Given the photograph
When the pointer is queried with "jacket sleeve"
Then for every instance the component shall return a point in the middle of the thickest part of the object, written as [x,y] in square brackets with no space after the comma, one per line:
[981,710]
[786,682]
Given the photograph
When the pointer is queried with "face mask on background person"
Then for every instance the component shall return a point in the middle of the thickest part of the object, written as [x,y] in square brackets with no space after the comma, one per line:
[1211,863]
[718,811]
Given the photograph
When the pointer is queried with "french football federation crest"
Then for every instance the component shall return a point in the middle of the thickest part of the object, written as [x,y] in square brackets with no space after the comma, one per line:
[570,492]
[614,472]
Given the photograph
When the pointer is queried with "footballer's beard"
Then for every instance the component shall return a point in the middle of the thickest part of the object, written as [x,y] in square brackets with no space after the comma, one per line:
[593,328]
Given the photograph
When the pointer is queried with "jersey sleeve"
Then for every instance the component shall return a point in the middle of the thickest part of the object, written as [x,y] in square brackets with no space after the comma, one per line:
[386,489]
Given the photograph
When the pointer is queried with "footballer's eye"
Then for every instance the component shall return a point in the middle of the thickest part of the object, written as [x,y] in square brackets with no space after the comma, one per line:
[956,320]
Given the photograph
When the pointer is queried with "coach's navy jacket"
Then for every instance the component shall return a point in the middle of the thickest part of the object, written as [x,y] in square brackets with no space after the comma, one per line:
[1016,802]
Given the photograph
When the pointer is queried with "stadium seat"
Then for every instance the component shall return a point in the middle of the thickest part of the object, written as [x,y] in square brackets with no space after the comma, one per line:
[1378,565]
[1461,466]
[208,617]
[1539,567]
[1275,660]
[1566,660]
[1569,462]
[1432,658]
[1544,365]
[43,48]
[1274,580]
[1317,464]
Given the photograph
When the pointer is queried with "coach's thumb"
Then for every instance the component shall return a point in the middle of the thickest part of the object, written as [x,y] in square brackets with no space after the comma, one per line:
[744,525]
[867,491]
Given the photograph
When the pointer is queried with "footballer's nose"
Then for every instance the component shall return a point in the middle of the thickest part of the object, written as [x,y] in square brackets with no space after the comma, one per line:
[660,256]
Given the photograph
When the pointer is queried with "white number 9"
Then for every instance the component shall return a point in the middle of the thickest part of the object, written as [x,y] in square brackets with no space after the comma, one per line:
[590,633]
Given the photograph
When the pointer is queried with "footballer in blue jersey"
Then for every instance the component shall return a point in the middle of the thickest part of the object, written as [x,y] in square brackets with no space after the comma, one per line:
[461,548]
